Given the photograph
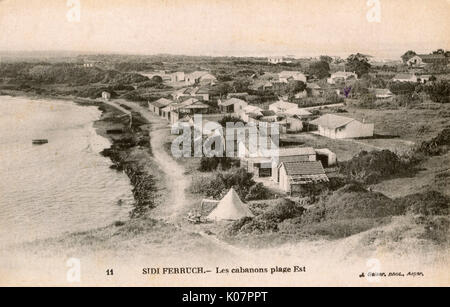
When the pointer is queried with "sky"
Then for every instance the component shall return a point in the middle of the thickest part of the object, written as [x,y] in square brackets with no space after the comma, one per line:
[226,27]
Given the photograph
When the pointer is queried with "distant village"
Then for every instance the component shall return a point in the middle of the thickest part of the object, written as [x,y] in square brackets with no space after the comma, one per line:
[297,110]
[328,111]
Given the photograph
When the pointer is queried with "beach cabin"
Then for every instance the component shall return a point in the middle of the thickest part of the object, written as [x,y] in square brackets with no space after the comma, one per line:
[157,106]
[106,96]
[341,127]
[294,176]
[341,76]
[232,105]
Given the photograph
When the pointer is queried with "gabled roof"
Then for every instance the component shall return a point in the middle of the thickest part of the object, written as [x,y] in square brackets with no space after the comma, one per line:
[431,57]
[289,73]
[196,105]
[302,158]
[189,101]
[284,105]
[162,102]
[253,109]
[342,74]
[171,107]
[202,90]
[296,151]
[303,168]
[296,112]
[267,113]
[404,76]
[382,92]
[313,86]
[332,121]
[197,74]
[232,101]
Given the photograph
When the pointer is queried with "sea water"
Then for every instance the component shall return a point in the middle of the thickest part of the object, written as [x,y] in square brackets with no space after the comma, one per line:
[63,186]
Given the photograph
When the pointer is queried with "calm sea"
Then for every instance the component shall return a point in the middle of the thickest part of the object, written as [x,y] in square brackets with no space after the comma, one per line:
[63,186]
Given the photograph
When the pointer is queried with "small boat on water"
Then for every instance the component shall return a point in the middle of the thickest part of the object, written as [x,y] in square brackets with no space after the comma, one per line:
[40,141]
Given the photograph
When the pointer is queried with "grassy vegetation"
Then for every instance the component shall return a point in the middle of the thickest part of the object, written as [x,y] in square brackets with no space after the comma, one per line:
[345,212]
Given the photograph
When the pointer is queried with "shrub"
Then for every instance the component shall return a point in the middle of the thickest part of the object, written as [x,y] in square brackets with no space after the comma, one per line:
[257,192]
[371,167]
[402,88]
[231,119]
[336,229]
[217,184]
[436,146]
[208,164]
[333,98]
[285,209]
[437,229]
[439,91]
[428,203]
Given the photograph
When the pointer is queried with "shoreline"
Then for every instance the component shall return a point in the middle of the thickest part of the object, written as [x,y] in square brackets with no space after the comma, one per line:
[131,141]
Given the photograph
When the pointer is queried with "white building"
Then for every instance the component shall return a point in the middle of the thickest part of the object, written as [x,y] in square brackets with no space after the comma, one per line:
[282,106]
[293,176]
[341,127]
[177,76]
[232,105]
[278,60]
[199,77]
[246,111]
[341,76]
[106,95]
[286,76]
[405,78]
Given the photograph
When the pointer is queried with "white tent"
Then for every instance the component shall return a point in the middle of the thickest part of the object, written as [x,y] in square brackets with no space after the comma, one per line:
[230,208]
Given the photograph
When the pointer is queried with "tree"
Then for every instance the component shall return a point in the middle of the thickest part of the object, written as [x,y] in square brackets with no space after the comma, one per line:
[408,54]
[221,89]
[320,69]
[296,86]
[326,58]
[439,91]
[359,63]
[157,79]
[402,88]
[360,87]
[333,98]
[439,51]
[241,85]
[368,101]
[229,119]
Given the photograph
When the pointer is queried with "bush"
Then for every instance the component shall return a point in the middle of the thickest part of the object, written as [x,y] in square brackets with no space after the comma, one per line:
[371,167]
[436,146]
[269,220]
[208,164]
[428,203]
[257,192]
[402,88]
[437,229]
[219,183]
[285,209]
[229,119]
[439,91]
[333,229]
[333,98]
[354,201]
[368,101]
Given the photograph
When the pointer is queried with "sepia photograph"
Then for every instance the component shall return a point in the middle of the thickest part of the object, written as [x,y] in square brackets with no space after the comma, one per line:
[225,143]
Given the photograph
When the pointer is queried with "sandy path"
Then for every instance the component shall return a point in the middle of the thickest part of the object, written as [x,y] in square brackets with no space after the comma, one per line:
[177,181]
